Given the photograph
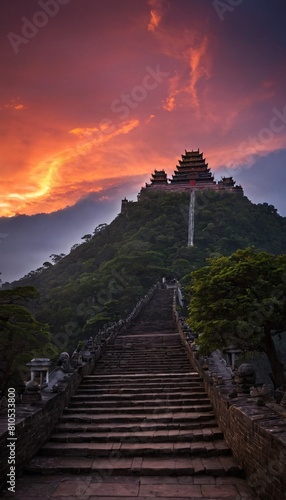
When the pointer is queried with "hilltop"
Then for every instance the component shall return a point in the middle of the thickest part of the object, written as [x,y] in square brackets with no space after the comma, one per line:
[102,279]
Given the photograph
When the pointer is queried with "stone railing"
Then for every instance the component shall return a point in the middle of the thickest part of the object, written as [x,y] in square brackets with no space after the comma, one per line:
[35,422]
[256,434]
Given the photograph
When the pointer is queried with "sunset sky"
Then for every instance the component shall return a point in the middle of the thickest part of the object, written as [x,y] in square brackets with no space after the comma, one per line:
[96,94]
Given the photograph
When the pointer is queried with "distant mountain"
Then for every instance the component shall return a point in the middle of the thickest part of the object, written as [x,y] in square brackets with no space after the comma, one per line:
[101,279]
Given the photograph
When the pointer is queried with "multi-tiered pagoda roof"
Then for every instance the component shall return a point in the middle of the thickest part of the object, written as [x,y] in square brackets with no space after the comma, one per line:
[192,170]
[159,177]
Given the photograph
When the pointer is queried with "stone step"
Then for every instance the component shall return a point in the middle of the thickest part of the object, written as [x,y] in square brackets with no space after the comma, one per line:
[146,353]
[159,341]
[161,377]
[131,449]
[104,367]
[136,383]
[130,427]
[148,361]
[129,401]
[141,352]
[151,328]
[137,366]
[140,391]
[166,385]
[146,357]
[143,349]
[119,397]
[140,418]
[136,409]
[162,343]
[127,369]
[155,436]
[145,466]
[190,387]
[117,382]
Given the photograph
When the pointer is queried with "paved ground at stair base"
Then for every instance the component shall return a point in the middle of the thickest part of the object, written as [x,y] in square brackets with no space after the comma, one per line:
[131,488]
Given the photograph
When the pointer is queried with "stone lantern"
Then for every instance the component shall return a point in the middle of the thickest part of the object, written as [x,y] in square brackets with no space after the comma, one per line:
[231,353]
[40,368]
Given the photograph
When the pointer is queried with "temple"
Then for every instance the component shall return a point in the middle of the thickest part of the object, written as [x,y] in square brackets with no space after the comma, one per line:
[159,178]
[192,172]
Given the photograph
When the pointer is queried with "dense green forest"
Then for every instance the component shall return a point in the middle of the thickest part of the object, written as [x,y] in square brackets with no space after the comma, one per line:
[102,279]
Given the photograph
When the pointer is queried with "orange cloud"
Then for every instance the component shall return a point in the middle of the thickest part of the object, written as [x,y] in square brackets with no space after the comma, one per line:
[174,85]
[14,104]
[155,14]
[149,119]
[190,49]
[154,21]
[50,175]
[199,67]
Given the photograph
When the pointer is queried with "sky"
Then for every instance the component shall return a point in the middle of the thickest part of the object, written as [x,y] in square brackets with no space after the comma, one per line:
[95,95]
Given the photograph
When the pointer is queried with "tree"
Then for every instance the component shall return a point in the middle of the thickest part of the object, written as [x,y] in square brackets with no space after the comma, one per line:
[56,258]
[99,228]
[241,300]
[87,237]
[47,264]
[74,246]
[20,333]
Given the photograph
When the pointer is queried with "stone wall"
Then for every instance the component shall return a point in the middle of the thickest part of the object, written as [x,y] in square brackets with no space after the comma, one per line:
[34,424]
[256,434]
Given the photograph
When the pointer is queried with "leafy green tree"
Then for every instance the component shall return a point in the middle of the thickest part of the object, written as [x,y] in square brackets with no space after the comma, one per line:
[241,300]
[74,247]
[94,324]
[47,264]
[87,237]
[56,258]
[20,334]
[100,228]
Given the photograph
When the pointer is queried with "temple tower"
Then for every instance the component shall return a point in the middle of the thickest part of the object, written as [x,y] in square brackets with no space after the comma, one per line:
[193,167]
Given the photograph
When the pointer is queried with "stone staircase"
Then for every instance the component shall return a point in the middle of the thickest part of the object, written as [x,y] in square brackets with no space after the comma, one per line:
[143,409]
[143,412]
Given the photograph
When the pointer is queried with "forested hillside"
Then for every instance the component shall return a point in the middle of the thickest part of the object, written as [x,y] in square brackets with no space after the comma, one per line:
[101,279]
